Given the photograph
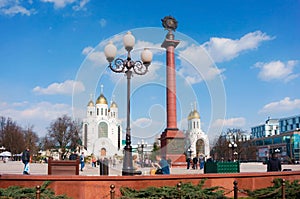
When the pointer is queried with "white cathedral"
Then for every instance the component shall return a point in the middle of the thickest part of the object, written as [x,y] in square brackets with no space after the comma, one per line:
[102,131]
[197,142]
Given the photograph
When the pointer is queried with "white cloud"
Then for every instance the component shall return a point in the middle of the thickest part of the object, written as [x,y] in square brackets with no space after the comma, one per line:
[200,70]
[87,50]
[59,3]
[67,87]
[12,8]
[224,49]
[40,114]
[142,122]
[81,5]
[97,58]
[102,22]
[230,122]
[283,105]
[277,70]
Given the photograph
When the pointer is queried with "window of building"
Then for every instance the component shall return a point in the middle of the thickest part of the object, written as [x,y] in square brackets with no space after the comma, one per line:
[277,140]
[259,142]
[102,130]
[267,141]
[101,111]
[106,112]
[97,111]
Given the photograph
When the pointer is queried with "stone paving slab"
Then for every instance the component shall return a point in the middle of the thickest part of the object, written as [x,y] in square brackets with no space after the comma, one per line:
[16,167]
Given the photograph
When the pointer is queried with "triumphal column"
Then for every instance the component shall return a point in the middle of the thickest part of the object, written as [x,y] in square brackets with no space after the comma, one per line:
[172,139]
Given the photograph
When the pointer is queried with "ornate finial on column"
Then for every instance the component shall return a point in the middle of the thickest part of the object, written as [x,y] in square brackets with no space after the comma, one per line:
[170,24]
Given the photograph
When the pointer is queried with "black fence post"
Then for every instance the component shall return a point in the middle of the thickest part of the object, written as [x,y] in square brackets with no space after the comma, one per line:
[235,189]
[179,189]
[112,191]
[38,192]
[283,189]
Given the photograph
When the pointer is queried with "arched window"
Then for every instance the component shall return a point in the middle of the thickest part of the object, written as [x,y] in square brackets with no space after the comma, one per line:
[102,130]
[200,147]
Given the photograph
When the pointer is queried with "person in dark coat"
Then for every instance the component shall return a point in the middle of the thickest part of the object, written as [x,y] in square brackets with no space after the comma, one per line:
[195,161]
[274,163]
[26,160]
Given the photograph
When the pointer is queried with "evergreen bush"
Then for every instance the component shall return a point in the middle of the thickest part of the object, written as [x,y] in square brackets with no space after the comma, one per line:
[187,191]
[292,190]
[17,192]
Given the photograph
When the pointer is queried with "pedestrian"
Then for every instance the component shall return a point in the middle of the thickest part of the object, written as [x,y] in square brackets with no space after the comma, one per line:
[135,162]
[188,163]
[26,160]
[162,164]
[82,161]
[195,161]
[201,162]
[73,156]
[94,160]
[274,163]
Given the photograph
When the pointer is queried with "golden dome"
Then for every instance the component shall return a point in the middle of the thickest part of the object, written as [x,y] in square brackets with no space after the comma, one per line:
[194,115]
[91,103]
[101,100]
[113,105]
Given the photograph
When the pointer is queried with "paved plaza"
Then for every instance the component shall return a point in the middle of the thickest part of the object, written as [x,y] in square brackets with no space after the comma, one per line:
[16,167]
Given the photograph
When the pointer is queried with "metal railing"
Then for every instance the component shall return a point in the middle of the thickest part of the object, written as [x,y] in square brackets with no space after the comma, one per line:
[235,191]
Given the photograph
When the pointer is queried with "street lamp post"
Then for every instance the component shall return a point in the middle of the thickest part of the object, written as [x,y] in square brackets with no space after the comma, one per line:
[129,67]
[141,146]
[232,145]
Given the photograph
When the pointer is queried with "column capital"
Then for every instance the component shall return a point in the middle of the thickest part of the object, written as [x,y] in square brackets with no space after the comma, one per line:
[170,42]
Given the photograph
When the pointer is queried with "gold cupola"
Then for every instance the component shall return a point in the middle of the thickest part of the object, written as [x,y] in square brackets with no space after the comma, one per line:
[194,115]
[91,103]
[101,100]
[113,105]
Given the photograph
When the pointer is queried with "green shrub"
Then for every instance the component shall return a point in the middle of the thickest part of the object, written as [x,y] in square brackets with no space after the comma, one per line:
[17,192]
[187,191]
[292,190]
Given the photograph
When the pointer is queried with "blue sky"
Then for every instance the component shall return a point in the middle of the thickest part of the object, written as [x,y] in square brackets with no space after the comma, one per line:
[239,60]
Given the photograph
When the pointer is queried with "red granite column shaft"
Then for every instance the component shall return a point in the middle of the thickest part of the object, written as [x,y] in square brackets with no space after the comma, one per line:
[171,89]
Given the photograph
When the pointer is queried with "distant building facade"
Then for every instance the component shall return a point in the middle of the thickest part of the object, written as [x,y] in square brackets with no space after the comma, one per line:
[283,138]
[270,128]
[289,124]
[102,132]
[197,142]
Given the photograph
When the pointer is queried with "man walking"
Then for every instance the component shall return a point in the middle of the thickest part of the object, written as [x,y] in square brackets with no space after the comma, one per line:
[82,161]
[25,160]
[274,163]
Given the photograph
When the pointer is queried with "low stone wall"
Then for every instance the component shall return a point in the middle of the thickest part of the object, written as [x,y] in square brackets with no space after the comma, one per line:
[85,187]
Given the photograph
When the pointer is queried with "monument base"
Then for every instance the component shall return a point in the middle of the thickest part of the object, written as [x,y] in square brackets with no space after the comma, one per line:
[172,146]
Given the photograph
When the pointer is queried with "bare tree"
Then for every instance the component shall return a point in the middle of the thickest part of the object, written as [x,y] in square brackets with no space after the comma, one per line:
[2,128]
[63,133]
[221,148]
[31,139]
[13,138]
